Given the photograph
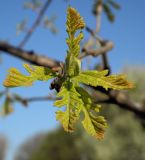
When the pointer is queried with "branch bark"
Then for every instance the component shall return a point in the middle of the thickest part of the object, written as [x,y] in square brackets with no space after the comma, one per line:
[99,9]
[124,101]
[28,56]
[108,46]
[37,59]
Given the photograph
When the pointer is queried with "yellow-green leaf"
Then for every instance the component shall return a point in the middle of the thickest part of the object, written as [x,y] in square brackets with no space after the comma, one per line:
[68,118]
[70,99]
[74,21]
[95,78]
[94,125]
[15,78]
[117,82]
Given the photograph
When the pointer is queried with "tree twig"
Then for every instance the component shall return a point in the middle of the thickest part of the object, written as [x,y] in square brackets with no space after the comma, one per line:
[108,45]
[28,56]
[25,101]
[34,58]
[99,9]
[122,100]
[44,61]
[35,24]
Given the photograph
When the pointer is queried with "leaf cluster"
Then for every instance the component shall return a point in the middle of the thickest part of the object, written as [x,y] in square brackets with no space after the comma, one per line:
[72,95]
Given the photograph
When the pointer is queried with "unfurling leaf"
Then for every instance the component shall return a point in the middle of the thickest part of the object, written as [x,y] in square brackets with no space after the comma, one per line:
[15,78]
[70,99]
[95,78]
[73,24]
[94,125]
[74,21]
[71,94]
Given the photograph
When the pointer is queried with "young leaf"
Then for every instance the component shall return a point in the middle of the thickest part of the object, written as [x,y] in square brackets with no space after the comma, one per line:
[74,21]
[15,78]
[72,101]
[94,125]
[73,24]
[95,78]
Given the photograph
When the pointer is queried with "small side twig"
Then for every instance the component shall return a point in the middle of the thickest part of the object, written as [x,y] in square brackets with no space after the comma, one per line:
[108,45]
[99,9]
[35,24]
[124,101]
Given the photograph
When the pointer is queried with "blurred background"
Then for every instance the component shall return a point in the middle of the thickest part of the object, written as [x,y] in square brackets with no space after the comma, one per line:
[31,132]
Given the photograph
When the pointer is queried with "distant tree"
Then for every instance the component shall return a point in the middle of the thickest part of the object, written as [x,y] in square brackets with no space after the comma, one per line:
[26,150]
[58,145]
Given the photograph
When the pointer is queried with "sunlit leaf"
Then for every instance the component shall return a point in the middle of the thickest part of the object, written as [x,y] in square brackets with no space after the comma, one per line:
[70,99]
[93,124]
[15,78]
[95,78]
[73,24]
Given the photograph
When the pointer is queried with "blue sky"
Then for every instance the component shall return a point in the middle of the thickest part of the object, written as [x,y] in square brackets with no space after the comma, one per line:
[127,33]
